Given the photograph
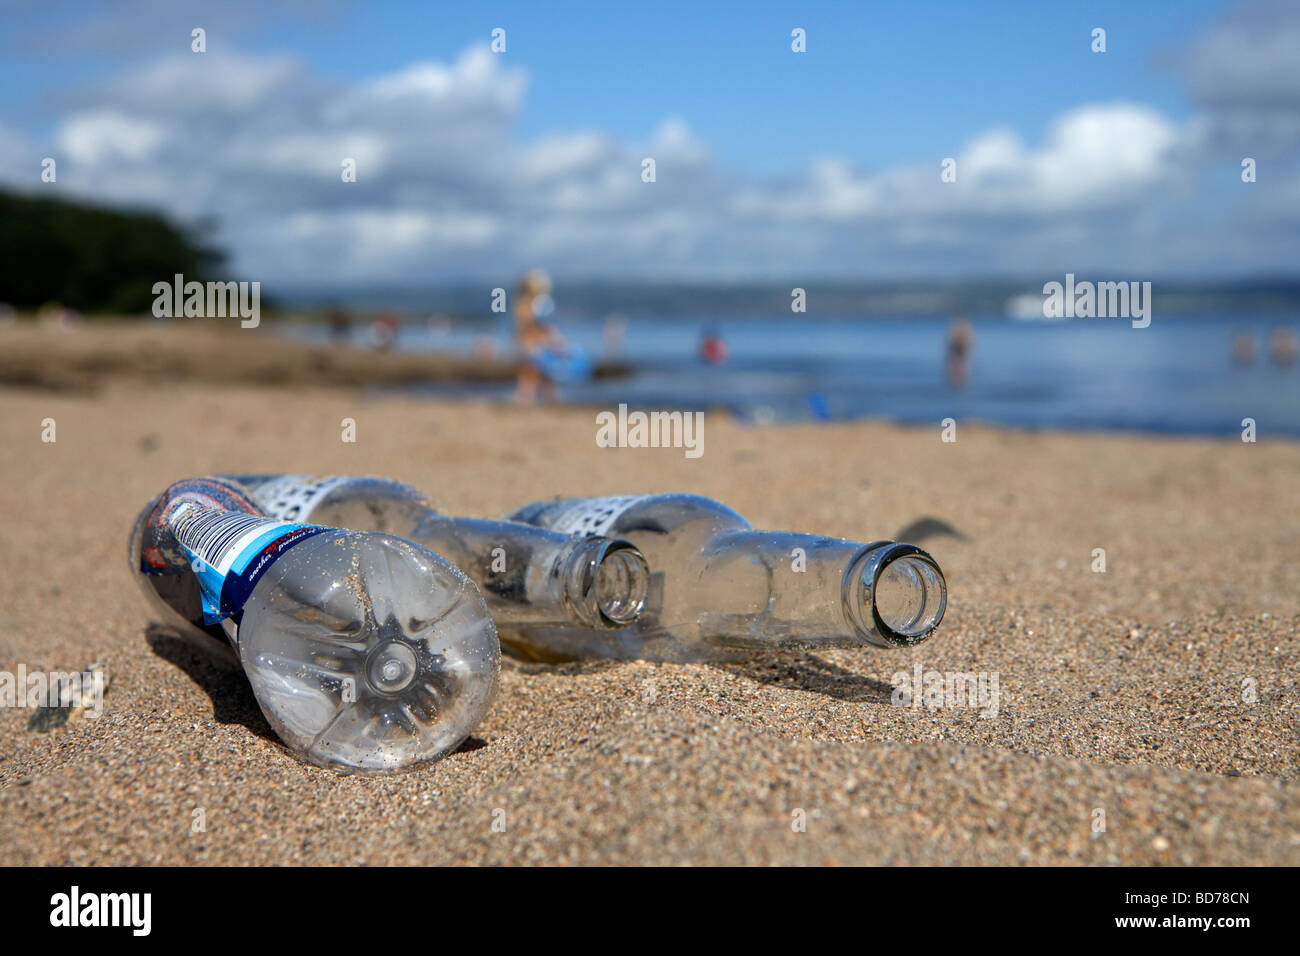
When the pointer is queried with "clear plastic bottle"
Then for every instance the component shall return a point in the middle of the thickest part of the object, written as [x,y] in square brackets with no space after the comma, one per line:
[539,585]
[720,589]
[366,653]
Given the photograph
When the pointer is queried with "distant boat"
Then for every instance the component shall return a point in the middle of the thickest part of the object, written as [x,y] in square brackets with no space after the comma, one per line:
[1027,308]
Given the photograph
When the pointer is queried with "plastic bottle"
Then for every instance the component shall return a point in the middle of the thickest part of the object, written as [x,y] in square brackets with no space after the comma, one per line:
[720,589]
[542,587]
[365,652]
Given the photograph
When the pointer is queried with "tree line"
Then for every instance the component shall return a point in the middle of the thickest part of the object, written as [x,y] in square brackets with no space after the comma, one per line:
[92,258]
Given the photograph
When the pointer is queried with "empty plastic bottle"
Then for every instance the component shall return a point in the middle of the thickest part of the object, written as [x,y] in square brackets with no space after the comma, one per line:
[719,588]
[365,652]
[538,584]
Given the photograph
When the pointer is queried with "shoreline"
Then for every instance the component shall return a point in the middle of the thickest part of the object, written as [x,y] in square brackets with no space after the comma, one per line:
[99,352]
[85,359]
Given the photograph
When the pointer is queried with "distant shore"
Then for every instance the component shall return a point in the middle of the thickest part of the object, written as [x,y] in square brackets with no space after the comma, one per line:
[206,351]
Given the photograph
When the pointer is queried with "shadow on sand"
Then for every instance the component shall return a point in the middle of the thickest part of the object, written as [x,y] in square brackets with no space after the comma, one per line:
[232,698]
[804,671]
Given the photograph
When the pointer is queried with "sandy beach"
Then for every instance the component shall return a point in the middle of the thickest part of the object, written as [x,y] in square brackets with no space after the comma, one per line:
[1158,697]
[39,356]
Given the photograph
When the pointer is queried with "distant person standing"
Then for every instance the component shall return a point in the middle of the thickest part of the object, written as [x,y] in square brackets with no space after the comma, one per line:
[535,338]
[1244,347]
[961,342]
[383,331]
[1282,345]
[612,334]
[545,357]
[340,326]
[713,347]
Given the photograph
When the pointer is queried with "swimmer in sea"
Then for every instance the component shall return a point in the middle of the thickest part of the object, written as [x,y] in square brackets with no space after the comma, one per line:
[961,340]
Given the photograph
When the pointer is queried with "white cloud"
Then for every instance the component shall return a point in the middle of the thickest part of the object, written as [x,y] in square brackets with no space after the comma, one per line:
[1092,156]
[1249,58]
[673,142]
[447,189]
[1243,72]
[311,153]
[216,82]
[473,82]
[1096,154]
[107,136]
[557,156]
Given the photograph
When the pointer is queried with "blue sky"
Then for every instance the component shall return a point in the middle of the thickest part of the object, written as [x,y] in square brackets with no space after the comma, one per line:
[881,82]
[928,73]
[771,161]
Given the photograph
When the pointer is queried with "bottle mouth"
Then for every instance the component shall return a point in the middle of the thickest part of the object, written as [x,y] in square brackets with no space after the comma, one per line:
[606,582]
[895,594]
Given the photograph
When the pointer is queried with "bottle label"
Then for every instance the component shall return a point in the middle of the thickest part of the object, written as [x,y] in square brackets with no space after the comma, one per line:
[583,517]
[159,553]
[289,497]
[230,551]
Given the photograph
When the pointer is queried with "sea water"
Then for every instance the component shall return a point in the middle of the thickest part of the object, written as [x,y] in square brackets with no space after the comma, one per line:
[1177,376]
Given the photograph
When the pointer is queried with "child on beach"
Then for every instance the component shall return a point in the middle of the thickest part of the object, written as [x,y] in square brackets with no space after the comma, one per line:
[545,357]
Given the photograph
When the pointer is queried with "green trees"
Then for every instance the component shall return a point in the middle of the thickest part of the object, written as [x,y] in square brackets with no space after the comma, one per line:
[91,258]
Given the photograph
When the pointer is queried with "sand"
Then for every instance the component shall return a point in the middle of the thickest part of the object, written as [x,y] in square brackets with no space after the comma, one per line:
[220,353]
[1125,696]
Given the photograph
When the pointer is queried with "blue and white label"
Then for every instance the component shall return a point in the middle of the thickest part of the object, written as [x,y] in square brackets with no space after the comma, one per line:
[289,497]
[229,552]
[582,517]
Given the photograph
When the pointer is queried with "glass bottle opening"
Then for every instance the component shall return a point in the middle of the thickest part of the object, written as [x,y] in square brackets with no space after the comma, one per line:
[909,596]
[608,582]
[897,594]
[621,582]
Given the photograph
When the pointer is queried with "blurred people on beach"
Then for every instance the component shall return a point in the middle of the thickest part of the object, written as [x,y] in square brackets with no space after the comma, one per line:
[1282,345]
[961,342]
[439,327]
[612,334]
[383,331]
[58,318]
[340,323]
[713,347]
[535,338]
[1244,347]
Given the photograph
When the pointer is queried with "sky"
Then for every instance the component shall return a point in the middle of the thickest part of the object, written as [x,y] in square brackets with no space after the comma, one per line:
[768,162]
